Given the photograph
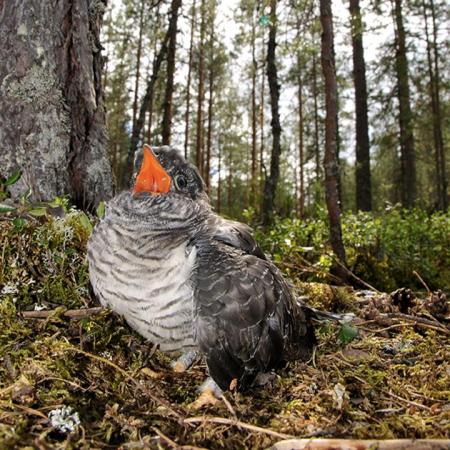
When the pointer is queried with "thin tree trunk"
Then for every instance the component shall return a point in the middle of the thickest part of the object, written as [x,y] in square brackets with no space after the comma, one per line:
[316,120]
[408,159]
[210,106]
[230,181]
[146,102]
[188,87]
[301,145]
[52,118]
[138,62]
[261,126]
[254,119]
[219,183]
[363,180]
[199,157]
[166,125]
[436,110]
[444,181]
[330,159]
[272,77]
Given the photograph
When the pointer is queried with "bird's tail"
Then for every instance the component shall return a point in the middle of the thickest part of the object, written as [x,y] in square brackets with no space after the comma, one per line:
[324,316]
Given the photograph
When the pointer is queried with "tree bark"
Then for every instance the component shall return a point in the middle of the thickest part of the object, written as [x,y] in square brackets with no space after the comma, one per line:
[52,118]
[199,157]
[167,105]
[330,159]
[408,159]
[363,180]
[188,87]
[270,185]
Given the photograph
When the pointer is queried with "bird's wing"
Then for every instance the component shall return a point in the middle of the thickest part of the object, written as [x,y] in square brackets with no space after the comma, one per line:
[245,318]
[234,234]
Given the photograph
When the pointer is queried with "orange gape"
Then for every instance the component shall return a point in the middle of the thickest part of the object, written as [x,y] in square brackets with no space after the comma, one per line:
[152,177]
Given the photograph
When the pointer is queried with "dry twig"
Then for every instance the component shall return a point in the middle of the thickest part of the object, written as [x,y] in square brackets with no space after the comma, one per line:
[237,423]
[75,314]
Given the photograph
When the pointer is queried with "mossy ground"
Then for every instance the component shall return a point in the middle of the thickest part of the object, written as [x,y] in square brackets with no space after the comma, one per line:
[390,381]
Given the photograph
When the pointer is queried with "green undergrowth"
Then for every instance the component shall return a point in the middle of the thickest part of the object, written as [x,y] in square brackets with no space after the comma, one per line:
[384,249]
[389,381]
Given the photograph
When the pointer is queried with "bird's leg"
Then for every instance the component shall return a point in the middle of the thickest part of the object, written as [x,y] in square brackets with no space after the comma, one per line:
[209,394]
[185,361]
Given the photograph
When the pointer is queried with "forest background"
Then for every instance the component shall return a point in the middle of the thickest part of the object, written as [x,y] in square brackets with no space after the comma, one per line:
[297,119]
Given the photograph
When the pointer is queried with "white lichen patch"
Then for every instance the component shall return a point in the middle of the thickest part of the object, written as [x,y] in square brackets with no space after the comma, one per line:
[64,419]
[39,87]
[22,30]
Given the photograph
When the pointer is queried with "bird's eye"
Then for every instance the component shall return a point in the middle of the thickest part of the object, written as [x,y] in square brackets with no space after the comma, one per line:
[180,182]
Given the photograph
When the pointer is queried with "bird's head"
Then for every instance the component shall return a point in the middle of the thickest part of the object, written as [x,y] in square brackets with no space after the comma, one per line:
[163,170]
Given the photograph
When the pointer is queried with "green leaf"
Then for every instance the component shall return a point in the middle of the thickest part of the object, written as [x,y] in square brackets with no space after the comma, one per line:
[6,208]
[19,223]
[13,178]
[37,212]
[101,210]
[85,222]
[347,333]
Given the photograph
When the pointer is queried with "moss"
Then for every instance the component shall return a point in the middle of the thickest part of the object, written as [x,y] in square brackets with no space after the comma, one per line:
[395,382]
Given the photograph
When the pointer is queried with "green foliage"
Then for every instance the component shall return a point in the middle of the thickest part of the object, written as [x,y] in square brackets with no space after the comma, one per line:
[384,250]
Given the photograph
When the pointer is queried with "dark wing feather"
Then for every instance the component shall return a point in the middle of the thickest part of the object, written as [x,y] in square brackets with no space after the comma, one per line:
[245,318]
[234,234]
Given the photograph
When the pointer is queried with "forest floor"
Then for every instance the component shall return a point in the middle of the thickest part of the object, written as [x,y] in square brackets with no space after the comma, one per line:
[68,381]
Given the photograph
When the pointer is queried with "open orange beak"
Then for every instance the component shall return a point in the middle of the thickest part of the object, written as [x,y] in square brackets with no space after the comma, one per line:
[152,177]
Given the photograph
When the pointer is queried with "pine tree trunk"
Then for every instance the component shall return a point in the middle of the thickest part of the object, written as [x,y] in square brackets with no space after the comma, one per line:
[330,159]
[272,77]
[316,121]
[301,145]
[363,181]
[167,105]
[188,87]
[138,62]
[433,70]
[444,181]
[199,157]
[254,179]
[52,118]
[210,106]
[261,128]
[408,159]
[219,183]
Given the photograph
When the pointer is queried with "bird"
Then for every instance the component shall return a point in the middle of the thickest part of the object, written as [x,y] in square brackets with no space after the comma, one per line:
[193,282]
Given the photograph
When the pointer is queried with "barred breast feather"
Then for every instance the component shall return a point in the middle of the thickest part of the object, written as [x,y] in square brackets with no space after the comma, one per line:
[142,271]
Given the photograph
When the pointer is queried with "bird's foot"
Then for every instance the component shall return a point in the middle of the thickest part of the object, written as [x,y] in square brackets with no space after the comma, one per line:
[210,394]
[184,361]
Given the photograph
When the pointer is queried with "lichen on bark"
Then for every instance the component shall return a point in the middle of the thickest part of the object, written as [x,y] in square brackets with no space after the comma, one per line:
[52,118]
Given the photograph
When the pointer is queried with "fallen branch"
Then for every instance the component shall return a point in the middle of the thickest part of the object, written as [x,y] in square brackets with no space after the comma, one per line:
[387,319]
[237,423]
[350,444]
[75,314]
